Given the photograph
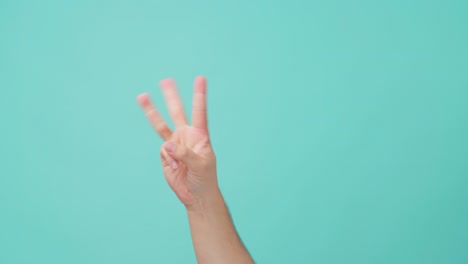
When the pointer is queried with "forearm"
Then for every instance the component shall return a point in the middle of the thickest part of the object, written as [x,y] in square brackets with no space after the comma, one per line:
[189,166]
[214,236]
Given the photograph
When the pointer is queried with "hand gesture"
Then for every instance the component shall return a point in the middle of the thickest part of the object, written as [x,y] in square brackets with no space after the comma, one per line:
[188,160]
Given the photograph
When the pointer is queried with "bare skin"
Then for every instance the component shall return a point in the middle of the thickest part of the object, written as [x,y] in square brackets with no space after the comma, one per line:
[189,166]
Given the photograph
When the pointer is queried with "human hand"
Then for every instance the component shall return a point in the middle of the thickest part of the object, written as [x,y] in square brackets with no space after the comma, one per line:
[188,160]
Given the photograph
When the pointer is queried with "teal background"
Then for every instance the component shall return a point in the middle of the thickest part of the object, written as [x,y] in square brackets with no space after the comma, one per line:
[340,128]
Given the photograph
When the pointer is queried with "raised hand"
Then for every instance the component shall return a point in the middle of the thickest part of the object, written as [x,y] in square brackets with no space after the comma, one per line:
[188,160]
[189,166]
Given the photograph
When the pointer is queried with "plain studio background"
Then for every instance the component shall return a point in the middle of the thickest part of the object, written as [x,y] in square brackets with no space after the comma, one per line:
[340,128]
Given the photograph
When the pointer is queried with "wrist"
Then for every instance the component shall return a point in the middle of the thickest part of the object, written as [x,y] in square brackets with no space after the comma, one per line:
[210,201]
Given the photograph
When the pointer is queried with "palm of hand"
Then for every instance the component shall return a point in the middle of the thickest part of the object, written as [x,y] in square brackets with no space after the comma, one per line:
[197,171]
[184,181]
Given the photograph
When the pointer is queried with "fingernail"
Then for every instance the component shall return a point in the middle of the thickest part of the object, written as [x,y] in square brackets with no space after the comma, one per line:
[167,83]
[174,164]
[170,147]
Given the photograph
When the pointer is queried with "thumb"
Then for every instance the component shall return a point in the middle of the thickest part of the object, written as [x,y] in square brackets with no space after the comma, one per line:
[181,153]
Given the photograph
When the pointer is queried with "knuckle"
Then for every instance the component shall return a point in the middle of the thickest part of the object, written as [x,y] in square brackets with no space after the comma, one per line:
[161,150]
[162,129]
[178,113]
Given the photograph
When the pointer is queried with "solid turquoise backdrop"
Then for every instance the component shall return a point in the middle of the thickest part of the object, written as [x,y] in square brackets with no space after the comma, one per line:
[341,128]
